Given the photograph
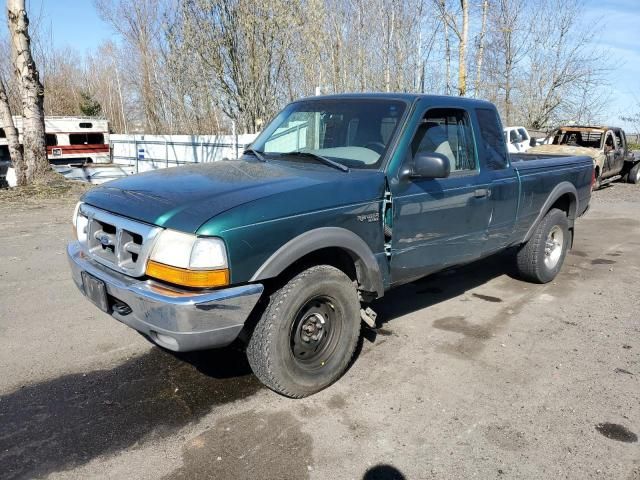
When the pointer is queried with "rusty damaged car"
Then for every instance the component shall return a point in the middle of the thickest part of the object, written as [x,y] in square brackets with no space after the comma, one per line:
[606,145]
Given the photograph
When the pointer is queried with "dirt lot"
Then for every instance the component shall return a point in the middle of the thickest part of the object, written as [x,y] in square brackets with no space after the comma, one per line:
[473,374]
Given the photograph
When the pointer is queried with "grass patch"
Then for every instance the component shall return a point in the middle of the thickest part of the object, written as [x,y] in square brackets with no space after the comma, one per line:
[56,187]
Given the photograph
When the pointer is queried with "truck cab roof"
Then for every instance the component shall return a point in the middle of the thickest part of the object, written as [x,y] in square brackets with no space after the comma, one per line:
[406,97]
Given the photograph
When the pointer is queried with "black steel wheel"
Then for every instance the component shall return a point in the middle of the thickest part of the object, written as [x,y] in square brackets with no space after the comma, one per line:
[306,336]
[314,332]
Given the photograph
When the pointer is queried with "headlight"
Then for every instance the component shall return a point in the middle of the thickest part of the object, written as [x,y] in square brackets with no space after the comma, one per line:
[80,223]
[188,260]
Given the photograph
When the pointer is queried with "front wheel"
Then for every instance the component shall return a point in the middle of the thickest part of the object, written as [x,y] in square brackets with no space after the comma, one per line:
[541,258]
[308,332]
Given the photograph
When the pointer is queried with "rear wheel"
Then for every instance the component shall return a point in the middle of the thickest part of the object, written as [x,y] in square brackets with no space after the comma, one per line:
[634,174]
[307,334]
[540,259]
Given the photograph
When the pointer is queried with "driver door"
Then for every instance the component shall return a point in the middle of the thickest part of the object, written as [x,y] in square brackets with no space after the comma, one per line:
[438,222]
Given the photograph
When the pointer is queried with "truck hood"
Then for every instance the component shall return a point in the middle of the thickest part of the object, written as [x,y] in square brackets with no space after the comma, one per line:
[184,198]
[566,150]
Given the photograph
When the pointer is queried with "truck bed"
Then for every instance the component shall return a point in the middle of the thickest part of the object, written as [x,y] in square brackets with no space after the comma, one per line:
[539,174]
[525,157]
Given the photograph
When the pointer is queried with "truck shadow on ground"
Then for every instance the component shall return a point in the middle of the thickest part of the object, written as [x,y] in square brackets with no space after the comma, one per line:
[441,287]
[66,422]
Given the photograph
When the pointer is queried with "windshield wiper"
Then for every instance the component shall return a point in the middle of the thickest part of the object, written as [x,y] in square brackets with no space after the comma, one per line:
[259,155]
[325,160]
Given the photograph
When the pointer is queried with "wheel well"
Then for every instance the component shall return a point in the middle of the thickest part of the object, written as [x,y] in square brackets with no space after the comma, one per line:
[334,256]
[566,203]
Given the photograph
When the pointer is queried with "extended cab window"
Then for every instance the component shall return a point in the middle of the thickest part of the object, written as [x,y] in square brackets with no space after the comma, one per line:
[447,131]
[492,138]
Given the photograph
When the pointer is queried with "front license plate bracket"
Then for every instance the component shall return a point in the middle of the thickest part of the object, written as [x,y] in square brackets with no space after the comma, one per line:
[96,291]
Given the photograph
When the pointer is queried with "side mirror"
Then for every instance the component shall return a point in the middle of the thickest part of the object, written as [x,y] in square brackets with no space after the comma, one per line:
[430,165]
[533,142]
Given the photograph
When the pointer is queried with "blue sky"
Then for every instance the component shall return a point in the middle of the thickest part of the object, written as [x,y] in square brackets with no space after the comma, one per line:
[76,23]
[73,23]
[619,33]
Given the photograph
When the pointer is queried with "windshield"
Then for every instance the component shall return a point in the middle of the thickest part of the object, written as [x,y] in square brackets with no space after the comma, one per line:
[353,132]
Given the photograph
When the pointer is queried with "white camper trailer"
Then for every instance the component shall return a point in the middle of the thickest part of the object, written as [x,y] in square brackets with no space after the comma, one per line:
[70,140]
[73,141]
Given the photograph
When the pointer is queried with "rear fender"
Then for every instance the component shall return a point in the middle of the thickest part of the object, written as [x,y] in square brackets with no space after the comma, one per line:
[563,188]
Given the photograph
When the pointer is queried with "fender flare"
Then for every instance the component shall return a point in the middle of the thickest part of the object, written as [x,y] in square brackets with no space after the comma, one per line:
[561,189]
[367,268]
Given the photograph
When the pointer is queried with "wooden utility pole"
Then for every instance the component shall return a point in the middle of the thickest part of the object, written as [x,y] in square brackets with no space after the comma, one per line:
[31,93]
[11,132]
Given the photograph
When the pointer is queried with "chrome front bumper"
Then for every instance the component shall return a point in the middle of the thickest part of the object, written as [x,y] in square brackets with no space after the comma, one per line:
[178,320]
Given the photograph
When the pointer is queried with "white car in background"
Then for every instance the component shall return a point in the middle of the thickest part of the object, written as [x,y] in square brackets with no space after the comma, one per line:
[518,139]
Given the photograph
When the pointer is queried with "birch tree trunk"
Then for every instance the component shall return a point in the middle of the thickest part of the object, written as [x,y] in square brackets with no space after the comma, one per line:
[462,49]
[31,93]
[15,148]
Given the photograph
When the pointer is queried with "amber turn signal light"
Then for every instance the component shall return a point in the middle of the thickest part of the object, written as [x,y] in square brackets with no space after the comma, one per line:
[188,278]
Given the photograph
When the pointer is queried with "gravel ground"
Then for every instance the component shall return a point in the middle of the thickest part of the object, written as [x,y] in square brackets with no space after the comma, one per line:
[472,374]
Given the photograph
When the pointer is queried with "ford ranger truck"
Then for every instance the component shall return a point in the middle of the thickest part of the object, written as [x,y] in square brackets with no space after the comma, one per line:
[338,200]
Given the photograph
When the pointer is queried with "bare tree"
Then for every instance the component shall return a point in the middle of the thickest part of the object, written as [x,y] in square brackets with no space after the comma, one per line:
[633,118]
[140,25]
[508,42]
[194,66]
[7,125]
[480,54]
[463,39]
[460,28]
[565,74]
[32,94]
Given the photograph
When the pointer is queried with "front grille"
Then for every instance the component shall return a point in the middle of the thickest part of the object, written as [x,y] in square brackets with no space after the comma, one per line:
[118,242]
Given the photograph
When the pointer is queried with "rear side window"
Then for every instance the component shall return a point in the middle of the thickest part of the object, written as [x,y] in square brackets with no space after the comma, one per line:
[513,136]
[447,131]
[492,139]
[86,138]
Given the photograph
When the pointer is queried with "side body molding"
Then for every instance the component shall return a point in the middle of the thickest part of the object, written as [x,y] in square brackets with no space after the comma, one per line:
[367,269]
[561,189]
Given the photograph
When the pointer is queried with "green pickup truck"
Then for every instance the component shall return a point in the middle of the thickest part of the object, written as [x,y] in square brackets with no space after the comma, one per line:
[339,199]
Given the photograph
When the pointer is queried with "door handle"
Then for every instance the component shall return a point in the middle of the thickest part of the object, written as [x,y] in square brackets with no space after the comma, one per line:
[482,192]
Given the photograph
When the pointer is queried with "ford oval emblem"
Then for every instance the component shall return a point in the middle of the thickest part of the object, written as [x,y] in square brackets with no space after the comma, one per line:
[105,240]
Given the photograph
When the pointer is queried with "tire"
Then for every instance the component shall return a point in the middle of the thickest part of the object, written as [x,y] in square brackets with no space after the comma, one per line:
[597,183]
[634,174]
[306,336]
[539,262]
